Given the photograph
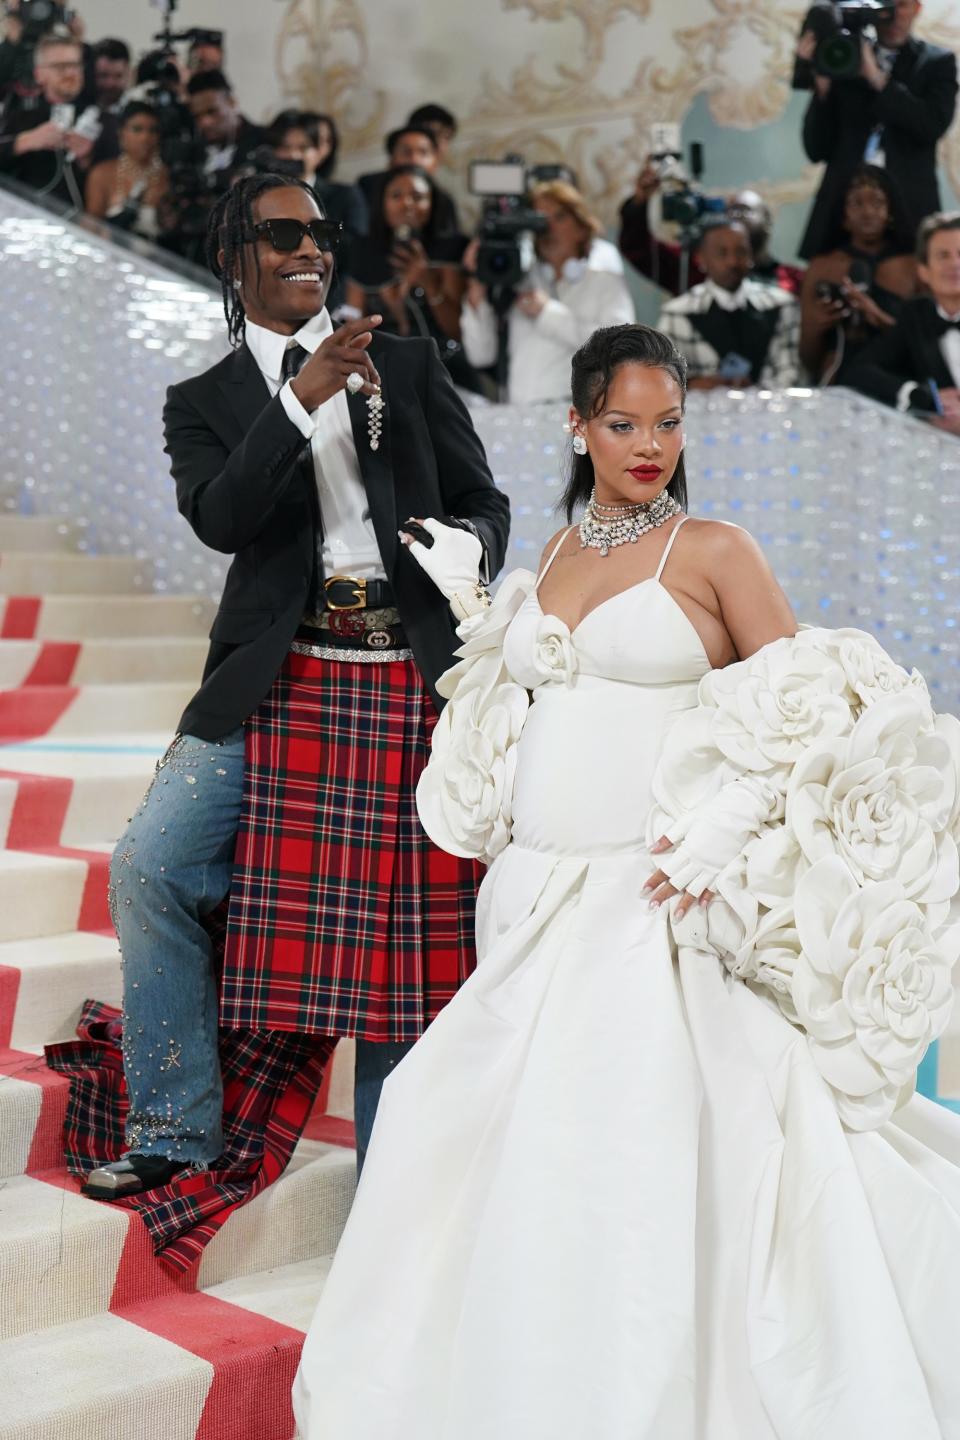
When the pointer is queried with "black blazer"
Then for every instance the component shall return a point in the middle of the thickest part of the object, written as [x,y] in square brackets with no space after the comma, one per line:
[245,482]
[915,110]
[909,350]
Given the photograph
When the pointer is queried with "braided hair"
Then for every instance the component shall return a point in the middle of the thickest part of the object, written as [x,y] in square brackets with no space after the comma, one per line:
[230,228]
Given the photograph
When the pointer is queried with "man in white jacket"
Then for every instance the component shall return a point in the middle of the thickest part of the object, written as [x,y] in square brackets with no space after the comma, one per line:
[570,291]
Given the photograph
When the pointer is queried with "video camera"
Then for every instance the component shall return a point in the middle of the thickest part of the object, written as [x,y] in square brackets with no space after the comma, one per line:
[39,16]
[508,224]
[684,201]
[840,27]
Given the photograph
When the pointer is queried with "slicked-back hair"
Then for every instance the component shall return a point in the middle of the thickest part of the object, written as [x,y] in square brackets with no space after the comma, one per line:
[932,225]
[230,228]
[592,373]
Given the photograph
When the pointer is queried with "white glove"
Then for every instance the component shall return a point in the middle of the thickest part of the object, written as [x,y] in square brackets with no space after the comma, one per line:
[453,564]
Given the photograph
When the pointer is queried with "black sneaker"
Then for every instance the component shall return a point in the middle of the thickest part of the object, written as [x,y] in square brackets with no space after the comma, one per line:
[129,1176]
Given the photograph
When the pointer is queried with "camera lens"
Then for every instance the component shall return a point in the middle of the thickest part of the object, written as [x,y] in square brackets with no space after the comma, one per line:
[839,55]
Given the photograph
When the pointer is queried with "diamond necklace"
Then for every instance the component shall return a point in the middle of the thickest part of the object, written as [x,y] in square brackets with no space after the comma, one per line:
[604,526]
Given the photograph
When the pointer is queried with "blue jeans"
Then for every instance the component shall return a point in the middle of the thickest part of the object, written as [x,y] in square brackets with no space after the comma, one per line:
[171,868]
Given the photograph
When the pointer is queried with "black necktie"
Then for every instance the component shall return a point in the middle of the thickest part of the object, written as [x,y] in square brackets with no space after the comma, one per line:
[293,358]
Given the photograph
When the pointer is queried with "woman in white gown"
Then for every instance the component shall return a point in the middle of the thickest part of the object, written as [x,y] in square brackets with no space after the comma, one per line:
[609,1193]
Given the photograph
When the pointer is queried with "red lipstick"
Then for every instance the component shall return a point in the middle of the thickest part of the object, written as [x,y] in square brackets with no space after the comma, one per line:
[646,473]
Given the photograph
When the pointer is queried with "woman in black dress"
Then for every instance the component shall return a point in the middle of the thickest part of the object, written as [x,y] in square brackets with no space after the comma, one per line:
[408,273]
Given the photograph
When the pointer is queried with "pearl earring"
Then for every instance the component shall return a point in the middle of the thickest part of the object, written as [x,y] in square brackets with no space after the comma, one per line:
[579,445]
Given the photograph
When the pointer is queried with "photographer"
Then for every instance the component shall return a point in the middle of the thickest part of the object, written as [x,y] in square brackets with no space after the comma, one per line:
[413,145]
[733,331]
[661,260]
[112,74]
[132,192]
[228,137]
[915,364]
[856,290]
[409,274]
[892,113]
[45,143]
[564,298]
[207,52]
[200,172]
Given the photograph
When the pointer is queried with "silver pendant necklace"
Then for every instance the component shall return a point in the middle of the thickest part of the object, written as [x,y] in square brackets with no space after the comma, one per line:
[605,526]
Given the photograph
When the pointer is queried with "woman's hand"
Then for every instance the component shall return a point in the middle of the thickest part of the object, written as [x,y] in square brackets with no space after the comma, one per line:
[660,888]
[409,263]
[531,302]
[866,306]
[476,293]
[806,46]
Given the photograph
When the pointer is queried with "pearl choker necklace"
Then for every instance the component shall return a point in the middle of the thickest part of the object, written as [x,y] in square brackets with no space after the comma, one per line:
[605,526]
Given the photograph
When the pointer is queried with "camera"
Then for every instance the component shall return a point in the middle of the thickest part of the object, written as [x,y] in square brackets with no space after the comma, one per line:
[508,224]
[840,28]
[683,201]
[39,16]
[264,160]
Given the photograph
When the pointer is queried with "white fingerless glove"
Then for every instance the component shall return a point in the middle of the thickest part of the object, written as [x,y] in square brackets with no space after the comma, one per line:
[453,564]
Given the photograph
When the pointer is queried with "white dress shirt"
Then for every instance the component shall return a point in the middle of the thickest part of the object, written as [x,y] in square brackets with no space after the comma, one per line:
[349,540]
[541,348]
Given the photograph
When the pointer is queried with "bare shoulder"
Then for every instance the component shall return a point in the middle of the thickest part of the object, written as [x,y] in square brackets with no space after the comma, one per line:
[552,545]
[721,545]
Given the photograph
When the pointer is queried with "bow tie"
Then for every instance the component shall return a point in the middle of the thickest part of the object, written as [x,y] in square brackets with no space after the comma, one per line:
[943,326]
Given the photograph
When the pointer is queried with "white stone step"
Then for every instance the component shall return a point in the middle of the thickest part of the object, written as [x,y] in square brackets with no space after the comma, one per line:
[104,662]
[60,1252]
[36,533]
[57,974]
[123,1376]
[39,894]
[65,794]
[60,574]
[127,710]
[82,617]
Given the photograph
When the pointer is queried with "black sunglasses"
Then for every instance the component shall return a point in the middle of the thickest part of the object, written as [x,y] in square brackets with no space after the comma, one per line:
[287,235]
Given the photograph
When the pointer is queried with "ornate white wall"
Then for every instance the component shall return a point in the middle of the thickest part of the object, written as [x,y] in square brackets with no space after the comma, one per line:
[580,80]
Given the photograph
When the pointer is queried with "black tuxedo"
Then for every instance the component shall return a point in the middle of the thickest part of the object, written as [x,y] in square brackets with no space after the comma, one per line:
[915,110]
[909,350]
[245,482]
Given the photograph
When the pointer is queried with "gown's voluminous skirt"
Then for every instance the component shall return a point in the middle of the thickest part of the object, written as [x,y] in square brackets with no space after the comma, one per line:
[612,1198]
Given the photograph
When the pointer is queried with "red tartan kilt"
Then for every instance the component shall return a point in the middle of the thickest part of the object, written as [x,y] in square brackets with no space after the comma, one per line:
[344,918]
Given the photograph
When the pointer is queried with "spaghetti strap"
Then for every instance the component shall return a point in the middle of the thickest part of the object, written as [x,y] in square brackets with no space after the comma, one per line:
[669,545]
[553,555]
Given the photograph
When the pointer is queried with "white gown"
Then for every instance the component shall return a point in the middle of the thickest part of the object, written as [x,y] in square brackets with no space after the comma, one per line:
[608,1195]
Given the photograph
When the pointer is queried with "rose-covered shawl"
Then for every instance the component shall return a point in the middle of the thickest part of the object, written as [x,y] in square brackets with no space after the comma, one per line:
[814,791]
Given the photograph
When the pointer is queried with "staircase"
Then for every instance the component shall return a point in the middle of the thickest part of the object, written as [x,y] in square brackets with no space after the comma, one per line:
[97,1340]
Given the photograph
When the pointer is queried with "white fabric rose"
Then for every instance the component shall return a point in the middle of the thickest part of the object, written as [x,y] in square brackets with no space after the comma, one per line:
[472,791]
[554,657]
[870,672]
[872,988]
[881,798]
[771,708]
[464,795]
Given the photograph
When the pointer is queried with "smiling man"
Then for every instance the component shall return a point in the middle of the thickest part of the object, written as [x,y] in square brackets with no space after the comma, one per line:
[292,781]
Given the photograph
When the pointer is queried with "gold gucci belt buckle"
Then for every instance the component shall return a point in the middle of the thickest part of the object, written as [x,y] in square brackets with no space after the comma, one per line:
[359,590]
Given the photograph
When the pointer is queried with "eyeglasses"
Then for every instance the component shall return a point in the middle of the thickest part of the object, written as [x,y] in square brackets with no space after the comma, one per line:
[287,235]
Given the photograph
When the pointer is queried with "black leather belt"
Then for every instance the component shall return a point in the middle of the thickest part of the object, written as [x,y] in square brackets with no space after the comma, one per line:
[349,592]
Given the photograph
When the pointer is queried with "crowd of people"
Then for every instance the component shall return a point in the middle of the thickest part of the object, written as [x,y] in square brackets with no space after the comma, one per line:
[151,149]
